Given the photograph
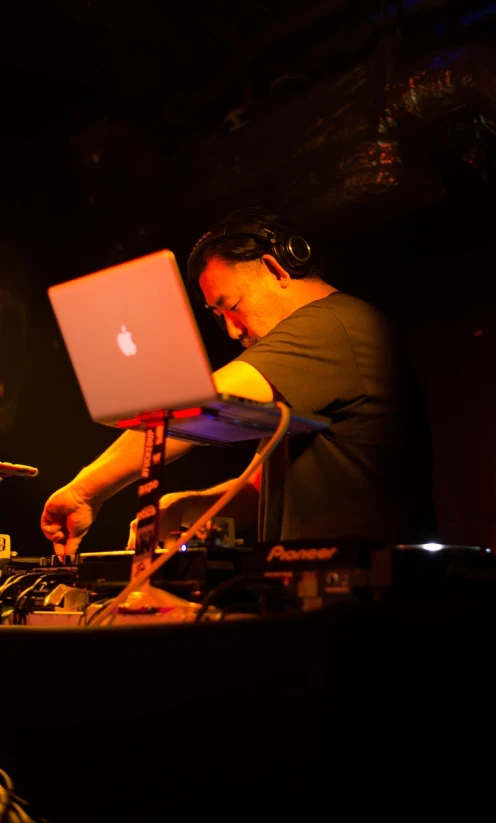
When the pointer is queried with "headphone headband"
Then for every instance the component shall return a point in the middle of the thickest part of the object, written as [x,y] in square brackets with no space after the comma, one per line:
[291,250]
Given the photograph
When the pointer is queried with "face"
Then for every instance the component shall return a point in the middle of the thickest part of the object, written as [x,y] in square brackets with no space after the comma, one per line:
[250,297]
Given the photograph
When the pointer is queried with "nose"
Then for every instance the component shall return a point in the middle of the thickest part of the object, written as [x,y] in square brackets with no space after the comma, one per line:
[233,329]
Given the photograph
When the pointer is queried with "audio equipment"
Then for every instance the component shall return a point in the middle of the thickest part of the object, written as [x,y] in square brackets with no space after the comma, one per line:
[223,577]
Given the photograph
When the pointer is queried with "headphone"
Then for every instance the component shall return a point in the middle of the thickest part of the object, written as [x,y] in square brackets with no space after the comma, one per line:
[291,250]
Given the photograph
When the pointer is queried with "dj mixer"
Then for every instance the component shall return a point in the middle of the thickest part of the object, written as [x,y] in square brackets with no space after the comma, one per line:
[216,577]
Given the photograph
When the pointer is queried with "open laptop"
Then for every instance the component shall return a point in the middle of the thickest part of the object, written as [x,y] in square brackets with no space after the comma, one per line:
[135,346]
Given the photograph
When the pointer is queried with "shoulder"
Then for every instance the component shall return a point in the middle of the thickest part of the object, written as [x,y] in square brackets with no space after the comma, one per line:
[338,313]
[342,306]
[353,315]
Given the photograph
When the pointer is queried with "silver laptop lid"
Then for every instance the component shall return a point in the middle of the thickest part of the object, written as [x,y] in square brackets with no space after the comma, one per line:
[133,339]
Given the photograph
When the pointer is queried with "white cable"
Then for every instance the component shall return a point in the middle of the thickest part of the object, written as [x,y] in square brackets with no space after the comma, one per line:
[204,518]
[11,810]
[11,579]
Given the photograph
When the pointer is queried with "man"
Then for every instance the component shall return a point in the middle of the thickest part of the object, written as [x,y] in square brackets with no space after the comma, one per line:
[322,352]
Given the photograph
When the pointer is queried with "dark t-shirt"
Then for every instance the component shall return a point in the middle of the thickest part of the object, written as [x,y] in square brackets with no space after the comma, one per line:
[370,474]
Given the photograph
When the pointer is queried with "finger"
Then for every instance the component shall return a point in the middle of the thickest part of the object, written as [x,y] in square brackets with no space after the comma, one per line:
[72,545]
[49,518]
[50,528]
[64,547]
[55,532]
[59,549]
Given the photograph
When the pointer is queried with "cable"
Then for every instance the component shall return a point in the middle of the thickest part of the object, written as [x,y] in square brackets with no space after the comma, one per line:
[15,579]
[18,618]
[12,807]
[7,581]
[226,585]
[202,520]
[100,603]
[5,615]
[241,610]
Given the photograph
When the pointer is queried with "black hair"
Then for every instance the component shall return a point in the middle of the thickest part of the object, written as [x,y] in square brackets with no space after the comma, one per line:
[247,234]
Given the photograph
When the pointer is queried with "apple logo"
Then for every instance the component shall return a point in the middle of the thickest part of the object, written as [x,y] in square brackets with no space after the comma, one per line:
[125,342]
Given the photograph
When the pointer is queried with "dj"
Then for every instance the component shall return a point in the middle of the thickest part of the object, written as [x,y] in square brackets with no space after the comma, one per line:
[321,351]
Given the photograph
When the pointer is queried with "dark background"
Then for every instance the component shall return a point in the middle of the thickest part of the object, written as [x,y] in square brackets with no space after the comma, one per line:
[128,127]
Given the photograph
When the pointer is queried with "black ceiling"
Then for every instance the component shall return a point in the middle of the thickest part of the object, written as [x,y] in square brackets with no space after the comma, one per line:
[180,65]
[68,63]
[99,98]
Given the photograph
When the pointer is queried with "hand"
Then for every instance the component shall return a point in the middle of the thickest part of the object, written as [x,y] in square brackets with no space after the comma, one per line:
[67,517]
[171,512]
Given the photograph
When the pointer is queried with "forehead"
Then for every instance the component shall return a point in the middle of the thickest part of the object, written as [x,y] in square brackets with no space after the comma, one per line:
[219,278]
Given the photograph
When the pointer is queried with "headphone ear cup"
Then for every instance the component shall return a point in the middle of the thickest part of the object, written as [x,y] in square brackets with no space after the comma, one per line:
[279,253]
[293,252]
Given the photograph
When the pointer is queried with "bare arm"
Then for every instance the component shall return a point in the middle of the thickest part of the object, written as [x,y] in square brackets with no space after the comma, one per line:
[243,507]
[70,511]
[120,464]
[184,508]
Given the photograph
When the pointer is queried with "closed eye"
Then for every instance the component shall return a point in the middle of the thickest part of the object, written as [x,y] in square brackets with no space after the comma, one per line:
[233,308]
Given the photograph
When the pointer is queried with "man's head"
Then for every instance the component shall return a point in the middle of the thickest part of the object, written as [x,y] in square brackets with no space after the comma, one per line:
[252,272]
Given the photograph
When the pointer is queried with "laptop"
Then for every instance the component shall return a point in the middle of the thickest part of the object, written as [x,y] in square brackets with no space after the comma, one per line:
[136,348]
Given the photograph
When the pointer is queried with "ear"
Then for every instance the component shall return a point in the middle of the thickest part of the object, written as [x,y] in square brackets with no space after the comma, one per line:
[274,267]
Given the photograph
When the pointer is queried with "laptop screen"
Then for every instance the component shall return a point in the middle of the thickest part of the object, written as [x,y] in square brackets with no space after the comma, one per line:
[133,339]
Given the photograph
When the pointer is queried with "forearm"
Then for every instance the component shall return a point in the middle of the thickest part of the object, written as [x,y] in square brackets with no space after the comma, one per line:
[120,465]
[243,507]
